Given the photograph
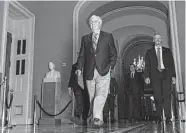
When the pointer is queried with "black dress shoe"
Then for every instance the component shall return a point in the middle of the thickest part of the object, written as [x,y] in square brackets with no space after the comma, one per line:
[97,122]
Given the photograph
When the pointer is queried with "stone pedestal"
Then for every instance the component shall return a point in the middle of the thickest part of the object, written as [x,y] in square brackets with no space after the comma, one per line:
[51,100]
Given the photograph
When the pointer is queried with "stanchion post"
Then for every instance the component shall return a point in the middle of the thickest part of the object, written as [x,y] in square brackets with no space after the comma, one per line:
[35,102]
[9,111]
[73,104]
[35,99]
[172,107]
[3,102]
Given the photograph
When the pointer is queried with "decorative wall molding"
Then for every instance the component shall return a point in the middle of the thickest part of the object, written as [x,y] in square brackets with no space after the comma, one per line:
[9,6]
[135,8]
[75,28]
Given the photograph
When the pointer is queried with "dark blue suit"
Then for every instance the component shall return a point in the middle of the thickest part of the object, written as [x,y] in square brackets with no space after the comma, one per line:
[102,59]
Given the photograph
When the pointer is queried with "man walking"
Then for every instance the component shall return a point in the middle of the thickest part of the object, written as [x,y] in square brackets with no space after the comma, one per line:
[160,72]
[96,58]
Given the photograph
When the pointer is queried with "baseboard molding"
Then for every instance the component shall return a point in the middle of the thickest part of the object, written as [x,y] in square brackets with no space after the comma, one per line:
[65,121]
[53,121]
[49,121]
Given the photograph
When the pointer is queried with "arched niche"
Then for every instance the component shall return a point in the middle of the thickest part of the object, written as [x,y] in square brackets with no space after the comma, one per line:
[108,10]
[84,8]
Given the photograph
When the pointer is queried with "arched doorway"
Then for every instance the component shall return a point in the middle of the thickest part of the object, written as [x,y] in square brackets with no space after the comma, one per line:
[116,14]
[134,48]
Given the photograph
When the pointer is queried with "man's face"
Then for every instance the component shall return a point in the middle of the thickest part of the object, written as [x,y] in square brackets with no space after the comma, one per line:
[132,68]
[158,40]
[51,66]
[95,24]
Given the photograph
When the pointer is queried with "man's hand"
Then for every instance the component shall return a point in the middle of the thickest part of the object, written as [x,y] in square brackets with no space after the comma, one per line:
[70,91]
[147,80]
[173,80]
[78,72]
[114,95]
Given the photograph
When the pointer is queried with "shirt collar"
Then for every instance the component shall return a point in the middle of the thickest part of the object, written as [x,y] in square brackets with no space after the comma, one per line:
[158,47]
[98,32]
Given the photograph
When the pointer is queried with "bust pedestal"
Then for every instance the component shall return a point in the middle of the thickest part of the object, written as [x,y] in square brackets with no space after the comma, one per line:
[51,99]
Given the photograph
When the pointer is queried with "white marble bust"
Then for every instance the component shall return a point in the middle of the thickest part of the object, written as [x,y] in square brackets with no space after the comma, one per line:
[52,73]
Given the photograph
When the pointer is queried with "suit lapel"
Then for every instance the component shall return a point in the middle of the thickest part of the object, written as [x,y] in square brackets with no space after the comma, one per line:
[90,41]
[163,54]
[155,56]
[99,41]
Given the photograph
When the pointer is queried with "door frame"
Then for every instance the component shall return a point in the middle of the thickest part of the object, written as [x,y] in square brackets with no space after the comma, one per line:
[31,17]
[174,41]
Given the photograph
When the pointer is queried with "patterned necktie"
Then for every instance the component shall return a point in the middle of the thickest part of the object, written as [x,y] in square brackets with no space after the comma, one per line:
[158,57]
[94,41]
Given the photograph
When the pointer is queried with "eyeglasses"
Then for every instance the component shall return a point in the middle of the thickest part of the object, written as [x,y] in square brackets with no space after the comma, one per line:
[94,22]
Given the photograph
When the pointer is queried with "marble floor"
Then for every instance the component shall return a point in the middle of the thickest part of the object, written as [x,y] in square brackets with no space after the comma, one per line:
[143,127]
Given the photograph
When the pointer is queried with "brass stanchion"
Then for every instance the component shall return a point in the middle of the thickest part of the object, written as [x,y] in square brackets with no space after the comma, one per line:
[172,109]
[9,112]
[3,103]
[73,105]
[35,102]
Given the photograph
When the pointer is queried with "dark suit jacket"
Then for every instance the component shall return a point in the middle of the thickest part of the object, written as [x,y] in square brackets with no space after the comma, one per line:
[73,82]
[151,64]
[135,85]
[102,59]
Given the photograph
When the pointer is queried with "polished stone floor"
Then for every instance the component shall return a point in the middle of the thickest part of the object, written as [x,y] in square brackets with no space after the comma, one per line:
[143,127]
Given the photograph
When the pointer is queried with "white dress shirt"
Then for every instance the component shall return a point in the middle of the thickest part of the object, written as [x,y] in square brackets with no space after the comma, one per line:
[161,56]
[132,74]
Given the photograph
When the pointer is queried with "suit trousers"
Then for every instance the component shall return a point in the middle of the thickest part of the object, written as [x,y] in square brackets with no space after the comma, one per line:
[109,106]
[134,106]
[98,89]
[78,93]
[162,96]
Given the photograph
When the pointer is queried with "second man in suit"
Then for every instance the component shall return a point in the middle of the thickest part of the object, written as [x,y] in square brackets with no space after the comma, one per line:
[160,72]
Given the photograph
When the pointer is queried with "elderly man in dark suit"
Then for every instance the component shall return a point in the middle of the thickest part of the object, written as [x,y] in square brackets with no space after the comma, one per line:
[96,58]
[134,86]
[160,72]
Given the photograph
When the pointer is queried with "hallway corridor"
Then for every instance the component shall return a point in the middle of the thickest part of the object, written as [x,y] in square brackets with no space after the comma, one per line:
[145,127]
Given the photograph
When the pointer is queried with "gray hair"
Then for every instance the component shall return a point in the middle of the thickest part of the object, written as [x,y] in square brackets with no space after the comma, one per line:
[157,34]
[96,18]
